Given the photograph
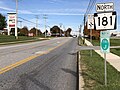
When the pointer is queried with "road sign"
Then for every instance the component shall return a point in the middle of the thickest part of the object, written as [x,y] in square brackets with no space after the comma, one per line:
[105,45]
[105,41]
[104,7]
[11,20]
[90,21]
[104,34]
[105,21]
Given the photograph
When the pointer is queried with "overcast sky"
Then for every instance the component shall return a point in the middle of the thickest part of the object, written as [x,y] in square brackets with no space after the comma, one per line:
[66,12]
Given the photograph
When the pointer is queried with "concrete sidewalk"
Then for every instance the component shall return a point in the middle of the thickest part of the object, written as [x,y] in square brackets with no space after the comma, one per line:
[113,59]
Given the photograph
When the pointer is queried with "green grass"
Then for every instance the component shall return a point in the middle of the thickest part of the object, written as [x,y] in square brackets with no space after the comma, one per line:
[96,42]
[113,42]
[93,73]
[81,42]
[115,51]
[4,39]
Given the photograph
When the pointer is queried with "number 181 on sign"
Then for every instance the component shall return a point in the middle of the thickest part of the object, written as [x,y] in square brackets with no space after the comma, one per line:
[105,21]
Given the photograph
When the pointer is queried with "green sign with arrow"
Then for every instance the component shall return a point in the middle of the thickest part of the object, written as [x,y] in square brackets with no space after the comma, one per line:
[105,41]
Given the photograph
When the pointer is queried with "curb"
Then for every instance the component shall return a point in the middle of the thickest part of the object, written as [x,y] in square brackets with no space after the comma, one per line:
[80,81]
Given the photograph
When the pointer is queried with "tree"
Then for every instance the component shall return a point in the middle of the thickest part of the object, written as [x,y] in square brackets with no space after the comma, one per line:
[24,31]
[3,23]
[33,30]
[56,31]
[67,32]
[95,33]
[45,32]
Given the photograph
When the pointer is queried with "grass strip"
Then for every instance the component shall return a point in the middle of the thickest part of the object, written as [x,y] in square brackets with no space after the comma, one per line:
[115,51]
[81,42]
[113,42]
[5,40]
[93,73]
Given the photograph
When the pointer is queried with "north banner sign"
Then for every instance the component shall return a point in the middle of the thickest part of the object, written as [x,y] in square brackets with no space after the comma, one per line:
[104,7]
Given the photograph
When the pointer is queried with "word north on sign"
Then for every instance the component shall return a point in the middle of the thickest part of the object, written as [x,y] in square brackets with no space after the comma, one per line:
[104,7]
[105,21]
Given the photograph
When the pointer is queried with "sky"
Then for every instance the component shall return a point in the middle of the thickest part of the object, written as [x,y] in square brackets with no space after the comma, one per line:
[68,13]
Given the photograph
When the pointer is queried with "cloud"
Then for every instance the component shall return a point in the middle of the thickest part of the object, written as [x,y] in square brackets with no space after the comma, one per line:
[55,1]
[6,8]
[61,11]
[25,12]
[13,10]
[63,14]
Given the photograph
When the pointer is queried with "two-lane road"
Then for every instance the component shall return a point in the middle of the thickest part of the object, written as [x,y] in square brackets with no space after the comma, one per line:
[45,65]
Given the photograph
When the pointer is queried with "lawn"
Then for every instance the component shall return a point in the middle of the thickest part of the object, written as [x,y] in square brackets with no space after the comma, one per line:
[93,73]
[4,39]
[115,51]
[113,42]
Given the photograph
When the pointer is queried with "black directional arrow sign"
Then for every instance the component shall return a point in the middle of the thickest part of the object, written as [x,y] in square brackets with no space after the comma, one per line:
[90,21]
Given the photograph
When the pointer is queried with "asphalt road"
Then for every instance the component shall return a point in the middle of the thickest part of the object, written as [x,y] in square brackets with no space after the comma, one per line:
[54,67]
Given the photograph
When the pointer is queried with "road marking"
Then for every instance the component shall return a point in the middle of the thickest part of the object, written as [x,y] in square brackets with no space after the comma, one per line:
[9,67]
[18,50]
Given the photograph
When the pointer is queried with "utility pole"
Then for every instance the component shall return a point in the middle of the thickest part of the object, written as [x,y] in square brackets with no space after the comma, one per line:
[36,25]
[16,35]
[84,30]
[45,17]
[80,30]
[64,30]
[60,28]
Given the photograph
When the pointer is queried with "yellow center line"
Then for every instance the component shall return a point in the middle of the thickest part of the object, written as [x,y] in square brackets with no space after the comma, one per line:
[9,67]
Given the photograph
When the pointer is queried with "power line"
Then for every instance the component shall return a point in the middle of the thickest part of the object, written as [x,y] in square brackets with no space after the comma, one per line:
[89,9]
[20,23]
[28,20]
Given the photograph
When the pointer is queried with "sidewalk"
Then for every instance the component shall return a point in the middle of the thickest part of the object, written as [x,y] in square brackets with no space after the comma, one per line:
[113,59]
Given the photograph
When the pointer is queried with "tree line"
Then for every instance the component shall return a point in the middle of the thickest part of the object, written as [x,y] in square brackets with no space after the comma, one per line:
[54,31]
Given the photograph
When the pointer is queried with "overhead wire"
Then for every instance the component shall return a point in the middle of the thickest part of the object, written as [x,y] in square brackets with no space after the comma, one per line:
[28,20]
[89,9]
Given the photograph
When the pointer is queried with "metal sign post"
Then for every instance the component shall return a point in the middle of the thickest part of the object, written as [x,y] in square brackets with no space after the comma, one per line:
[105,70]
[91,41]
[105,48]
